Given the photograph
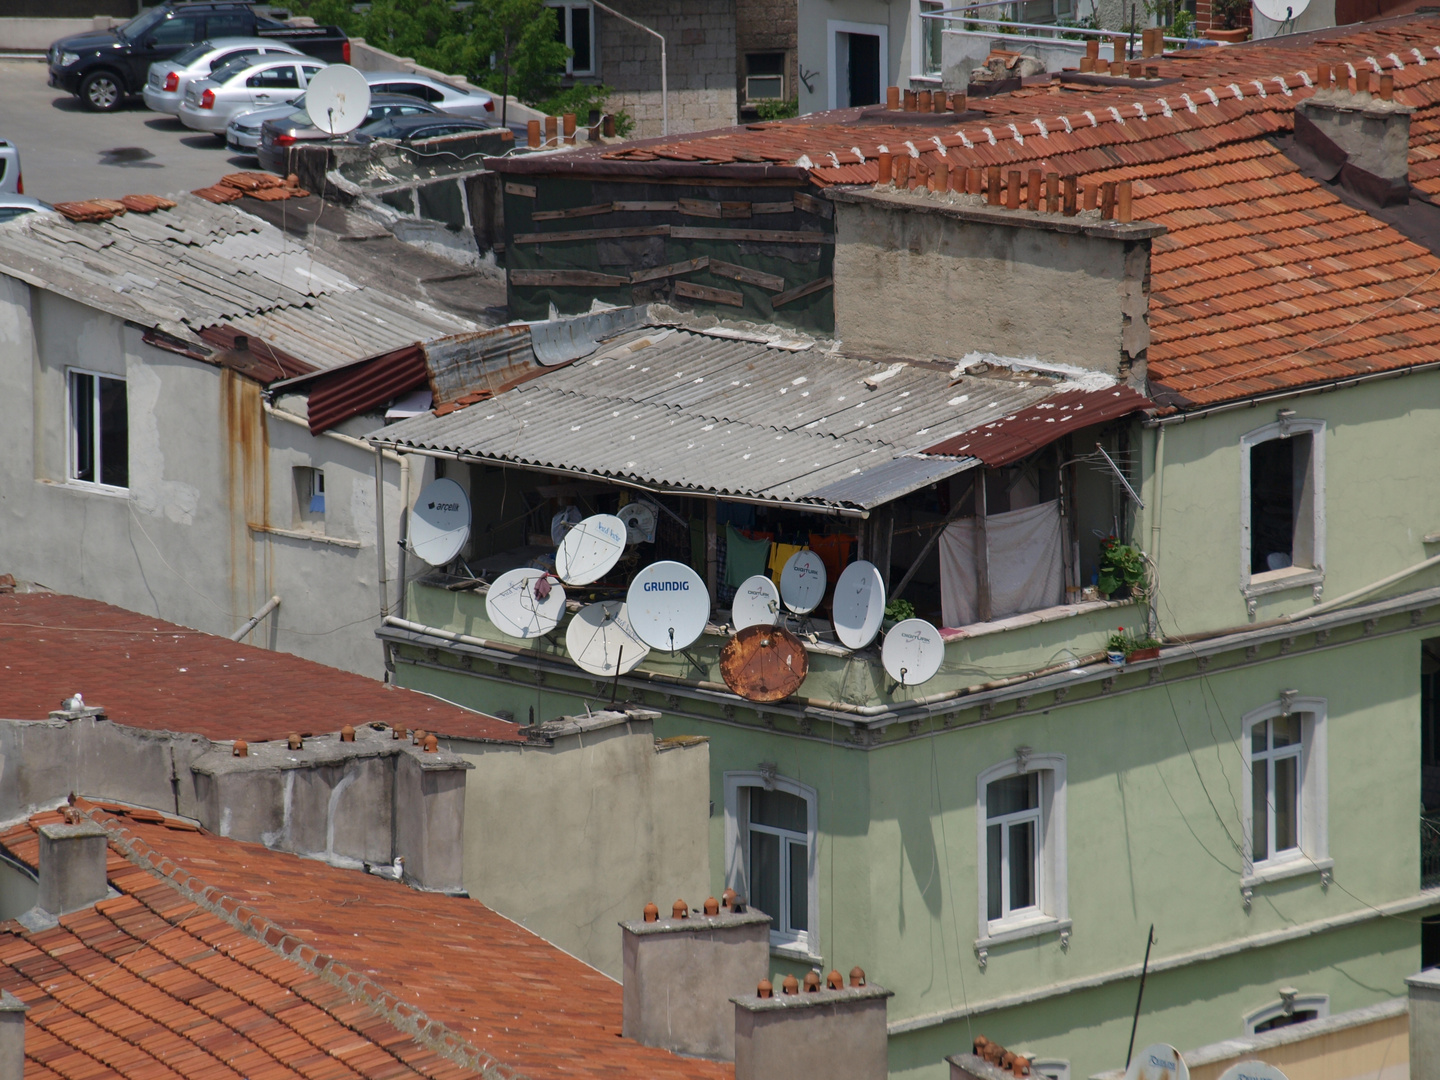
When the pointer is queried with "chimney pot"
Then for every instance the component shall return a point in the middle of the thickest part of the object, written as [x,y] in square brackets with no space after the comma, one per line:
[1032,190]
[398,731]
[1122,201]
[1117,68]
[886,163]
[680,910]
[1152,72]
[1107,200]
[1387,87]
[922,100]
[959,102]
[432,744]
[1069,185]
[294,742]
[728,898]
[857,976]
[902,171]
[940,176]
[1087,65]
[1091,193]
[892,97]
[418,736]
[652,913]
[609,125]
[765,989]
[957,179]
[1021,1066]
[532,133]
[12,1036]
[992,185]
[240,748]
[72,867]
[1012,190]
[552,129]
[712,906]
[1092,48]
[909,101]
[1134,69]
[790,985]
[569,119]
[1052,192]
[835,981]
[242,343]
[812,982]
[347,734]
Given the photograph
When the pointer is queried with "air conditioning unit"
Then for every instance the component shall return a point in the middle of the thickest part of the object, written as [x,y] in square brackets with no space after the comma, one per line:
[765,88]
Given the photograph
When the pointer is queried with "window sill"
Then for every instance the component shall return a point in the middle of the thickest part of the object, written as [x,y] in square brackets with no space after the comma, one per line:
[1030,618]
[1289,868]
[791,950]
[83,487]
[1273,581]
[1021,931]
[297,534]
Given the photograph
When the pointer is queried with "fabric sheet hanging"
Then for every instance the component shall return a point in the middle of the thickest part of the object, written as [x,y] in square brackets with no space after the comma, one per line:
[1027,564]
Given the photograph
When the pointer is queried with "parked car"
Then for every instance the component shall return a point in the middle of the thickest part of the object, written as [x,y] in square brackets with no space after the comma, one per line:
[244,84]
[11,181]
[165,88]
[242,133]
[278,134]
[416,128]
[455,100]
[103,66]
[13,206]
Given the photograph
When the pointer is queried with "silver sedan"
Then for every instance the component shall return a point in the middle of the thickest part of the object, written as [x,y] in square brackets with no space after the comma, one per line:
[165,88]
[454,100]
[242,85]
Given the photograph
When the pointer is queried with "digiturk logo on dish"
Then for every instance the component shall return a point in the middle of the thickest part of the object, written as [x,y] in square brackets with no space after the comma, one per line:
[667,586]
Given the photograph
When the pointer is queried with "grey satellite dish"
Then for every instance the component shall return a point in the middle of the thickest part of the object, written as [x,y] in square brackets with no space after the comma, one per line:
[563,522]
[757,603]
[337,99]
[912,653]
[859,604]
[639,521]
[590,549]
[1253,1070]
[668,605]
[802,582]
[1159,1061]
[525,603]
[601,641]
[1281,11]
[440,522]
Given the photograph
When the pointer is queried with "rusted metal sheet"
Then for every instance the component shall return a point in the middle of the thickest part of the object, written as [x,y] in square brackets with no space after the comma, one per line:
[483,360]
[251,356]
[1016,435]
[336,396]
[764,663]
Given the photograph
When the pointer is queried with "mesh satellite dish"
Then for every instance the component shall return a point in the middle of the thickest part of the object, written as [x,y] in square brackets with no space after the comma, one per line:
[757,603]
[1253,1070]
[912,653]
[859,604]
[639,519]
[668,605]
[440,522]
[802,582]
[590,549]
[601,641]
[1281,11]
[337,99]
[525,603]
[764,663]
[1159,1061]
[563,522]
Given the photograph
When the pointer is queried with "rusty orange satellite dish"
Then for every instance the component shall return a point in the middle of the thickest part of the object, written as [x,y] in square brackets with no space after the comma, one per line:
[764,663]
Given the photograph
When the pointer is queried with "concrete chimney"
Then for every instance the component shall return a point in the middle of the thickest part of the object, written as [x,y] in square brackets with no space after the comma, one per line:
[812,1033]
[1364,137]
[72,867]
[679,974]
[12,1036]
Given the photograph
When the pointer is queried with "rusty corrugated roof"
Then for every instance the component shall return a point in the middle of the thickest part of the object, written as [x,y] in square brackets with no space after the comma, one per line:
[336,396]
[1012,437]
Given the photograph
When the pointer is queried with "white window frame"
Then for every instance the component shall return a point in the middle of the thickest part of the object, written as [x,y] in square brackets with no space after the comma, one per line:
[917,59]
[802,944]
[1302,1003]
[72,448]
[1051,913]
[1252,585]
[1059,1068]
[564,7]
[1313,855]
[836,27]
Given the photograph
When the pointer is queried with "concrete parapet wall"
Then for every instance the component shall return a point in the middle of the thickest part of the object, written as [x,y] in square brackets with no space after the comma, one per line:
[690,110]
[368,57]
[18,34]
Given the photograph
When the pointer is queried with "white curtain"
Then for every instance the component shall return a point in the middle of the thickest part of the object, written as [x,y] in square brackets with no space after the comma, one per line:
[1027,564]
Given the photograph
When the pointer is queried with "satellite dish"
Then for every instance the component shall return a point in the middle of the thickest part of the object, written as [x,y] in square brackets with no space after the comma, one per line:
[1158,1061]
[440,522]
[563,522]
[1252,1070]
[525,603]
[600,640]
[1281,11]
[590,549]
[764,663]
[757,602]
[668,605]
[802,582]
[639,519]
[912,653]
[859,605]
[337,99]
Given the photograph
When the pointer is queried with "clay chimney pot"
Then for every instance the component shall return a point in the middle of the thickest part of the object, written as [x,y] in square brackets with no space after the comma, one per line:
[728,898]
[812,982]
[765,990]
[857,976]
[712,906]
[294,741]
[680,910]
[240,748]
[835,981]
[652,913]
[791,985]
[398,732]
[347,734]
[432,744]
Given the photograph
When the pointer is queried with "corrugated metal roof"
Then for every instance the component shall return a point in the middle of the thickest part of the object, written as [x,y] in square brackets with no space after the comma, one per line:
[202,265]
[684,411]
[1011,437]
[336,396]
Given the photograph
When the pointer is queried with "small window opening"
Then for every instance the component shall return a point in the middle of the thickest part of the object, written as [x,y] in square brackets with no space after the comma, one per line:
[1280,504]
[309,497]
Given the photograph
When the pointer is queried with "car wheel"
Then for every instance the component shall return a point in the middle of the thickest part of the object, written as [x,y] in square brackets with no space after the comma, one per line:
[101,92]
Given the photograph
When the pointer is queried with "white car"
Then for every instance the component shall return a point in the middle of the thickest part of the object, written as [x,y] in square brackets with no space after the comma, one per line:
[242,85]
[243,132]
[13,206]
[11,182]
[453,100]
[165,87]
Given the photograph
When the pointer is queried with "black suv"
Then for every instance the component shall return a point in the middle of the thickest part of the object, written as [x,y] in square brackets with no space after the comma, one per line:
[103,66]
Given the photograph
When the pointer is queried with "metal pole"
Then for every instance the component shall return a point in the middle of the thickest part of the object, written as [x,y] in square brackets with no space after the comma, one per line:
[664,86]
[380,529]
[1145,967]
[254,620]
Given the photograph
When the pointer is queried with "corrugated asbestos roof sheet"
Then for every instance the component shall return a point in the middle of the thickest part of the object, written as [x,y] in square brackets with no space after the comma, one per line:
[679,410]
[1012,437]
[200,265]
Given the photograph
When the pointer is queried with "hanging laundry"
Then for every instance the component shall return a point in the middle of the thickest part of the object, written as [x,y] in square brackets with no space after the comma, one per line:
[744,557]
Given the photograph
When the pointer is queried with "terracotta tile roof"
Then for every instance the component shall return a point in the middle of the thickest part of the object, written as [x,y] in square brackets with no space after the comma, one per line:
[1265,280]
[152,674]
[206,966]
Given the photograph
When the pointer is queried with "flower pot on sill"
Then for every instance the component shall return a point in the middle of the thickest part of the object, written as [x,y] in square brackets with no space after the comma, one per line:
[1143,654]
[1115,656]
[1241,34]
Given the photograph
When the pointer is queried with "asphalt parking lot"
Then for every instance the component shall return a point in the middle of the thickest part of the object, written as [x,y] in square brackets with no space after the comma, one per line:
[68,153]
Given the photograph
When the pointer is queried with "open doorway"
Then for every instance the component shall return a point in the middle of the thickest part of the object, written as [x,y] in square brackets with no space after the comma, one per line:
[858,63]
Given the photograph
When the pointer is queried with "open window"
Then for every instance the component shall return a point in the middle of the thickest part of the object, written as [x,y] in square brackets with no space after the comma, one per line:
[770,827]
[1282,506]
[309,498]
[99,430]
[575,29]
[1021,847]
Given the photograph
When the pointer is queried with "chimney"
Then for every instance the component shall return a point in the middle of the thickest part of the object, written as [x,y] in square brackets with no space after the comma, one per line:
[813,1032]
[12,1036]
[680,972]
[1363,138]
[72,867]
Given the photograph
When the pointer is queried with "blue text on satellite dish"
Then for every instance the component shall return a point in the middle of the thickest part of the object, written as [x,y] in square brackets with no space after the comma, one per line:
[619,538]
[1158,1062]
[667,586]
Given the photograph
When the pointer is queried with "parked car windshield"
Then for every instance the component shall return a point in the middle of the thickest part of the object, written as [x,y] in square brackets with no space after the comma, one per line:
[228,70]
[137,27]
[190,55]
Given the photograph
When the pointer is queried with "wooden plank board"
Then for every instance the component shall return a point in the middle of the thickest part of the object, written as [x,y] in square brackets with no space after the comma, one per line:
[699,208]
[734,209]
[785,207]
[527,190]
[673,270]
[705,292]
[812,205]
[646,207]
[762,236]
[566,277]
[573,212]
[592,234]
[801,290]
[773,282]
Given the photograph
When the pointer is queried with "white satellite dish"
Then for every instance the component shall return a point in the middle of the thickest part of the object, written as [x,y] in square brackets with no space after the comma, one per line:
[590,549]
[440,522]
[1159,1061]
[563,522]
[639,519]
[525,603]
[1281,11]
[1253,1070]
[757,603]
[601,641]
[859,605]
[912,653]
[802,581]
[337,99]
[668,605]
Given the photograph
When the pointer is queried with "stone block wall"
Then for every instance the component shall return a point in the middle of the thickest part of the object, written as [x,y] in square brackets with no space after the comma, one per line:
[700,54]
[766,26]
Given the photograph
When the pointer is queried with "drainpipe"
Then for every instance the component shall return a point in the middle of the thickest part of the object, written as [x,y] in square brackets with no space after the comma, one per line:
[1158,498]
[404,525]
[380,551]
[664,88]
[254,620]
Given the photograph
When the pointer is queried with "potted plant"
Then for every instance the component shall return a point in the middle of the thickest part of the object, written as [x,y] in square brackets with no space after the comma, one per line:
[897,611]
[1123,647]
[1122,571]
[1116,645]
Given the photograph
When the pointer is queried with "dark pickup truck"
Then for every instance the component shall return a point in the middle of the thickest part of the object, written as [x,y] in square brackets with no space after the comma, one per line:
[102,67]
